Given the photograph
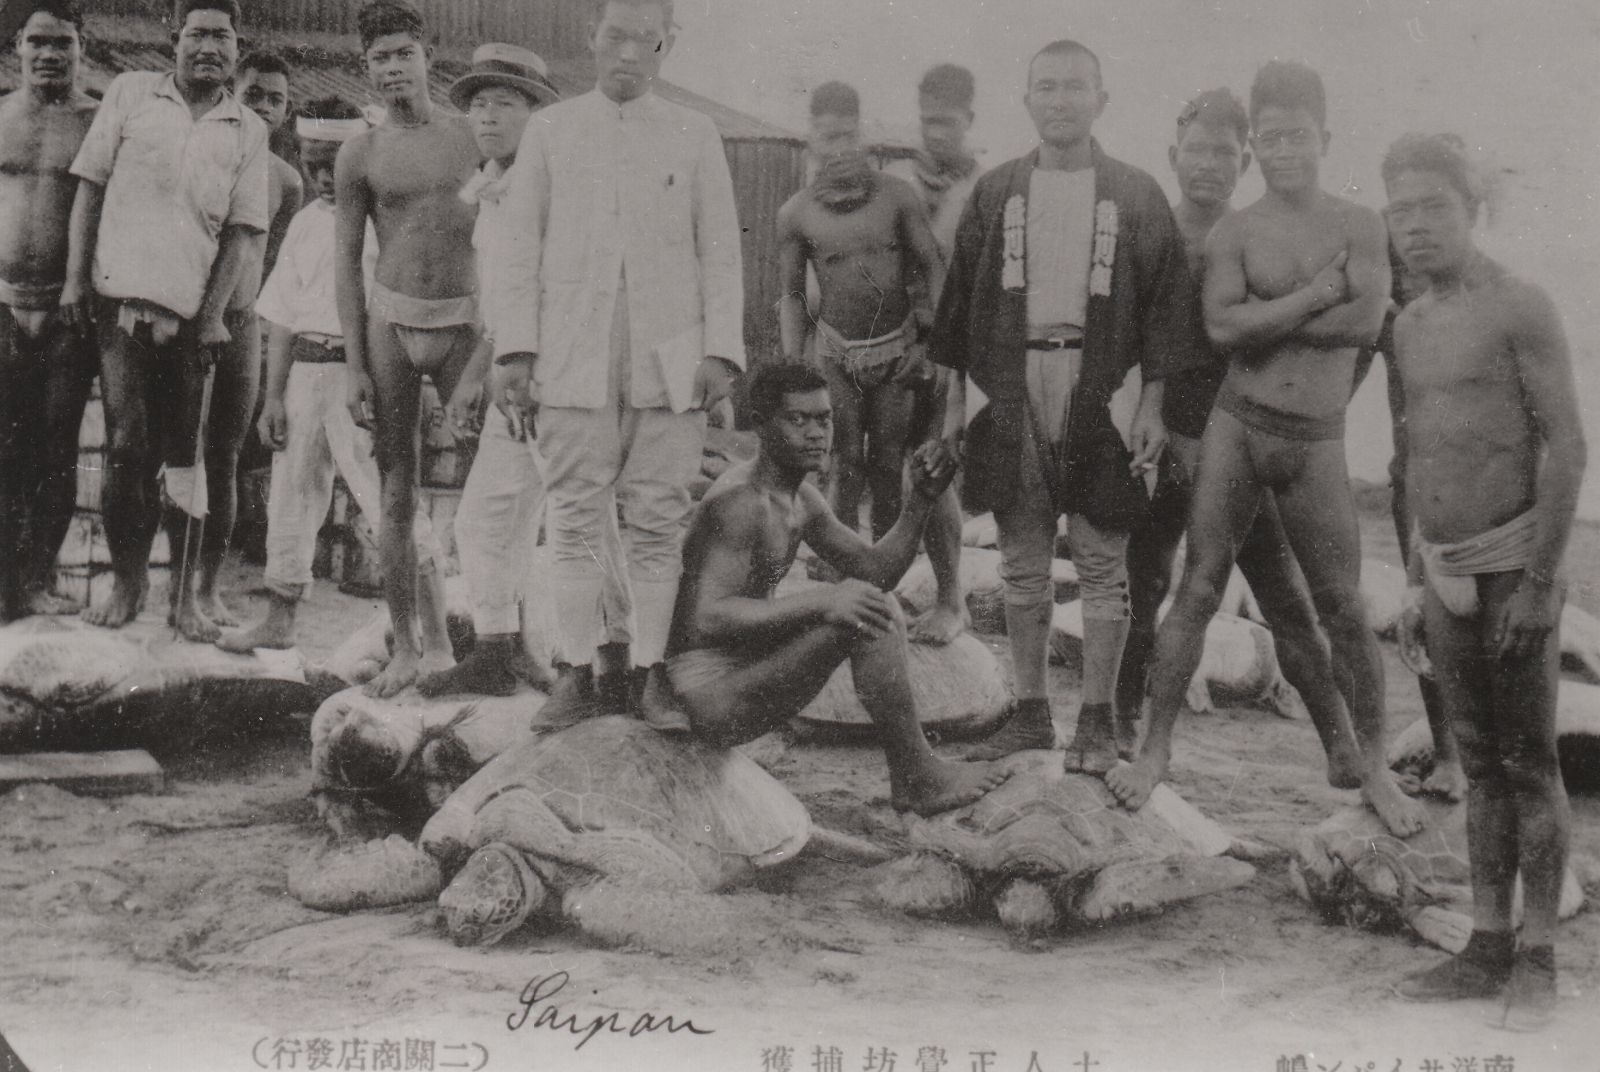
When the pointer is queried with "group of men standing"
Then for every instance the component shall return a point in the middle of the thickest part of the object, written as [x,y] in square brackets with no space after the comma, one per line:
[579,262]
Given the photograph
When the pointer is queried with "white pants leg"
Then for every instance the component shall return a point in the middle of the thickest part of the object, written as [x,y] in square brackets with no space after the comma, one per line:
[302,479]
[495,525]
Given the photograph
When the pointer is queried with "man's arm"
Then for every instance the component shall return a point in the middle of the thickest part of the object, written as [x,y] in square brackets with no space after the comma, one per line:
[793,315]
[236,243]
[274,423]
[1235,319]
[926,265]
[1357,320]
[515,261]
[83,231]
[947,347]
[353,204]
[718,246]
[885,562]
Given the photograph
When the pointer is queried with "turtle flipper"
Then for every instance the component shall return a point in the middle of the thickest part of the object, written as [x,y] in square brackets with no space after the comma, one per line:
[1441,926]
[1132,887]
[494,894]
[378,873]
[660,919]
[925,884]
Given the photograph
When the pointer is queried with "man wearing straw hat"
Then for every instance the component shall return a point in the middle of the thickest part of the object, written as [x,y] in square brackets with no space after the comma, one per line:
[618,294]
[501,505]
[304,419]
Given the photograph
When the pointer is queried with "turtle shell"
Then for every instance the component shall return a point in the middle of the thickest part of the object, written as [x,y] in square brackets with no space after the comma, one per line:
[609,798]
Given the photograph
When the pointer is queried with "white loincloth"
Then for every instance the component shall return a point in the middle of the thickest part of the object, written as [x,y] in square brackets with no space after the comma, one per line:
[1450,568]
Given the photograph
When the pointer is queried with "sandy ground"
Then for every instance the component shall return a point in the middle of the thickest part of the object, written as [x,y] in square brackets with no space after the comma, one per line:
[156,932]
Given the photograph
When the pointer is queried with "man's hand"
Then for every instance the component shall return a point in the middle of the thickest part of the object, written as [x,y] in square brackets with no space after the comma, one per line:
[461,412]
[512,383]
[1330,285]
[861,606]
[1529,615]
[714,381]
[1409,635]
[274,423]
[1148,436]
[362,398]
[931,468]
[77,307]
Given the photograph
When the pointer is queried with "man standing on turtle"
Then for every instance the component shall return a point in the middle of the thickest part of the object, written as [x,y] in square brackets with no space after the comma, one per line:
[619,300]
[1496,455]
[878,269]
[1210,151]
[1068,272]
[744,660]
[46,367]
[172,163]
[420,315]
[1294,285]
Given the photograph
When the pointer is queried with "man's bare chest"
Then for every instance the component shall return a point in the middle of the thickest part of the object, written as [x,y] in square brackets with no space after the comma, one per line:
[832,237]
[1282,255]
[42,146]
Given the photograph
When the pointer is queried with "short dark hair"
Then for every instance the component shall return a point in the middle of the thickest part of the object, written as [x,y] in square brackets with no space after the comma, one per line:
[380,18]
[1288,84]
[598,9]
[65,10]
[1218,109]
[835,98]
[1444,154]
[773,379]
[948,83]
[230,8]
[265,61]
[1067,47]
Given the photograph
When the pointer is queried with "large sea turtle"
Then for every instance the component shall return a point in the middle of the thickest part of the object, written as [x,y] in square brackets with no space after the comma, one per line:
[1047,847]
[1354,871]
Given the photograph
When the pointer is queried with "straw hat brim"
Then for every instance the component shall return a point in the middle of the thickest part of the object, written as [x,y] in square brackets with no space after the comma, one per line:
[461,92]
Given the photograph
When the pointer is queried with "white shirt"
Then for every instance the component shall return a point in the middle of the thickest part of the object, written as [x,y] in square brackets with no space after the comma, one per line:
[1060,246]
[599,190]
[299,293]
[172,182]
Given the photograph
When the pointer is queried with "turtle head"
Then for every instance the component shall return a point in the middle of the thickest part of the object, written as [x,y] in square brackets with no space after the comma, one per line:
[493,895]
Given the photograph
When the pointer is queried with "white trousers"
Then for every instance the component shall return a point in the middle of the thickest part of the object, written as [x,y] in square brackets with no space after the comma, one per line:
[497,527]
[321,439]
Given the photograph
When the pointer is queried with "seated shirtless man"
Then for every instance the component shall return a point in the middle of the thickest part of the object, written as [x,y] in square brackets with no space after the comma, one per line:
[1496,454]
[421,316]
[1294,284]
[878,268]
[743,660]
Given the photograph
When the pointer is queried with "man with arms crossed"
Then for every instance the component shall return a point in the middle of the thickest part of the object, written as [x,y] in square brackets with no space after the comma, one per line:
[878,269]
[1068,272]
[173,165]
[1495,458]
[744,660]
[1208,156]
[420,315]
[620,301]
[45,366]
[1294,285]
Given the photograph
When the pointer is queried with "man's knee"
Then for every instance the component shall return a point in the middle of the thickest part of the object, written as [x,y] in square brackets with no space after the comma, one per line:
[1340,608]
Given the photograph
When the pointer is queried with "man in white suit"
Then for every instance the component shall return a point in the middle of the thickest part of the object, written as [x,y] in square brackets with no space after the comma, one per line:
[622,301]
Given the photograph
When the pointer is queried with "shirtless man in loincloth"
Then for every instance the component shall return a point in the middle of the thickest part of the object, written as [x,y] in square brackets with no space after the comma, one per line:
[1208,155]
[1294,284]
[45,367]
[878,268]
[262,85]
[1495,454]
[742,660]
[421,317]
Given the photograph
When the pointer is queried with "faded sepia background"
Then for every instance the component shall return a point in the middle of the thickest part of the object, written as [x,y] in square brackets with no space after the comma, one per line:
[1521,81]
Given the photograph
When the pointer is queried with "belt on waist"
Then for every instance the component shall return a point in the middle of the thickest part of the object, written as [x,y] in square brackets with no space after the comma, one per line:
[317,349]
[1056,344]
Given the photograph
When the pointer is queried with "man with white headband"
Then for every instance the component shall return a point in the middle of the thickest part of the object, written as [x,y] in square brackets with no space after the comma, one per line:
[305,420]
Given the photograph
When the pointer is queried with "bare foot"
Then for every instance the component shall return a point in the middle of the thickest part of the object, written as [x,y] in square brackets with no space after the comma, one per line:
[939,625]
[212,606]
[1448,780]
[121,607]
[1132,783]
[943,785]
[192,624]
[480,674]
[1344,767]
[435,662]
[264,634]
[1127,734]
[1093,748]
[1402,815]
[44,601]
[401,671]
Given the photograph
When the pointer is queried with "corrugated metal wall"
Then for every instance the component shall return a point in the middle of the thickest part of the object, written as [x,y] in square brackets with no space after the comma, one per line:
[561,26]
[765,173]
